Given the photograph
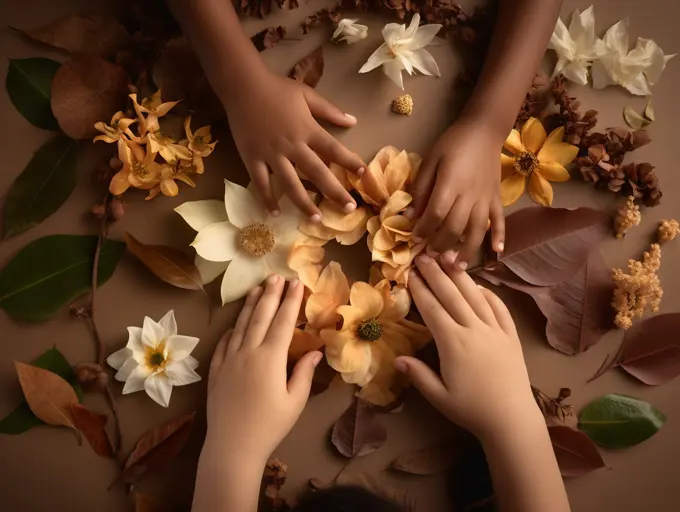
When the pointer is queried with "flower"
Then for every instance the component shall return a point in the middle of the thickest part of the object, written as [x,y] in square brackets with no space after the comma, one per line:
[350,31]
[119,126]
[305,258]
[577,47]
[374,332]
[639,290]
[139,168]
[154,108]
[199,144]
[330,291]
[167,147]
[539,158]
[167,183]
[240,236]
[155,359]
[404,48]
[635,70]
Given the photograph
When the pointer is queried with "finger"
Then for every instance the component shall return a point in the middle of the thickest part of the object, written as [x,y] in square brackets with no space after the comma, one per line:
[333,151]
[500,311]
[264,313]
[436,318]
[321,108]
[437,209]
[218,356]
[421,188]
[260,175]
[424,379]
[283,325]
[474,236]
[296,191]
[452,229]
[243,320]
[318,173]
[300,382]
[497,225]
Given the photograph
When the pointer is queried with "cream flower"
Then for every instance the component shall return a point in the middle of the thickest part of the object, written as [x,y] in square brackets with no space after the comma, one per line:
[404,48]
[120,125]
[155,359]
[350,31]
[240,236]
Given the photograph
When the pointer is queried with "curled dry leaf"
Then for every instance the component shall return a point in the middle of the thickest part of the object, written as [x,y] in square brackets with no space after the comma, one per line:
[576,454]
[553,409]
[93,426]
[268,37]
[429,461]
[633,119]
[85,90]
[178,73]
[649,111]
[309,69]
[358,431]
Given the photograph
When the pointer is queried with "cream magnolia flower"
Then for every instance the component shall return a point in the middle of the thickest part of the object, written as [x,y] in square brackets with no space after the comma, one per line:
[155,359]
[576,47]
[240,236]
[350,31]
[404,48]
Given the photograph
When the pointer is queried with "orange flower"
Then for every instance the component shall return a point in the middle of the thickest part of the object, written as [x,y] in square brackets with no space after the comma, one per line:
[539,158]
[167,183]
[330,292]
[154,108]
[120,125]
[199,144]
[374,332]
[139,168]
[305,259]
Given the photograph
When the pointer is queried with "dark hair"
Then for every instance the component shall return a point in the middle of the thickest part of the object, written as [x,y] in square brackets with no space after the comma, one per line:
[346,498]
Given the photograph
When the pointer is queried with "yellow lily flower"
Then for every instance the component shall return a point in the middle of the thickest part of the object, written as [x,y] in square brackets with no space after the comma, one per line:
[154,108]
[120,125]
[199,144]
[139,168]
[535,156]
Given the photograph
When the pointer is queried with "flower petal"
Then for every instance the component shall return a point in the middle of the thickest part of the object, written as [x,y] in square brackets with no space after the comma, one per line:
[397,304]
[118,358]
[601,73]
[512,189]
[424,35]
[367,299]
[552,171]
[277,262]
[152,333]
[396,204]
[302,343]
[638,85]
[243,273]
[119,182]
[242,207]
[304,260]
[286,224]
[126,370]
[397,172]
[616,37]
[533,135]
[200,214]
[178,346]
[352,237]
[217,242]
[424,62]
[343,353]
[507,166]
[392,70]
[560,152]
[136,379]
[577,72]
[169,324]
[334,218]
[159,388]
[333,281]
[321,310]
[181,373]
[401,254]
[377,58]
[209,270]
[514,143]
[540,190]
[383,240]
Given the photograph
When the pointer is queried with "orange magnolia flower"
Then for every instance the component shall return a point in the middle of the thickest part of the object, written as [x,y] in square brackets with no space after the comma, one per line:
[374,332]
[139,168]
[120,125]
[154,108]
[539,158]
[305,258]
[199,144]
[330,292]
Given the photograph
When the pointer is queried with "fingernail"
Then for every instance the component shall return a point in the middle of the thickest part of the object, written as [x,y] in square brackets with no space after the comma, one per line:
[293,284]
[409,213]
[316,218]
[462,265]
[273,279]
[449,257]
[361,171]
[316,359]
[423,258]
[400,365]
[349,207]
[501,246]
[351,117]
[275,213]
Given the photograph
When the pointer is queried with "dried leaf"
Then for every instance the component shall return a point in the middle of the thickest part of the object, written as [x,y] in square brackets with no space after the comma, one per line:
[157,447]
[633,119]
[178,73]
[309,69]
[649,111]
[545,246]
[28,85]
[268,37]
[358,432]
[273,480]
[553,409]
[429,461]
[259,8]
[93,426]
[576,454]
[86,90]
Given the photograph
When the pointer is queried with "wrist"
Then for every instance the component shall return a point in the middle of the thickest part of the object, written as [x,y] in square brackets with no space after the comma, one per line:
[521,427]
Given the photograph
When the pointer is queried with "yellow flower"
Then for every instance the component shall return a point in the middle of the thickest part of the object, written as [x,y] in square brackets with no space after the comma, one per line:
[139,168]
[199,144]
[167,183]
[330,292]
[374,332]
[112,133]
[154,108]
[539,158]
[170,150]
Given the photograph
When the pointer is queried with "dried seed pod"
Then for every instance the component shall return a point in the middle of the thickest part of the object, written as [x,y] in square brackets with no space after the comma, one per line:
[403,105]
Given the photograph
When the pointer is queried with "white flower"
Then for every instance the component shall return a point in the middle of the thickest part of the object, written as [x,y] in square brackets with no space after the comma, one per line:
[240,236]
[155,359]
[577,47]
[635,70]
[404,48]
[350,31]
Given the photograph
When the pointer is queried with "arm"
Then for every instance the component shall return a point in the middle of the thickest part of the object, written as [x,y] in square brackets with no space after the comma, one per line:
[457,188]
[484,386]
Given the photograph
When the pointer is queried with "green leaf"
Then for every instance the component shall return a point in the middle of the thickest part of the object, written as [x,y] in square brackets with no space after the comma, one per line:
[50,272]
[43,186]
[22,419]
[619,421]
[28,84]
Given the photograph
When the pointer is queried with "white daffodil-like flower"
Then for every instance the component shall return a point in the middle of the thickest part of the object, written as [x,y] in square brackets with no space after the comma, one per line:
[404,48]
[155,359]
[240,236]
[576,47]
[635,70]
[350,31]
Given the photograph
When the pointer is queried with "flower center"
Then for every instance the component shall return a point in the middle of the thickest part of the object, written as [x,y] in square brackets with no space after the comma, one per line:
[370,330]
[155,358]
[526,163]
[256,239]
[198,140]
[139,169]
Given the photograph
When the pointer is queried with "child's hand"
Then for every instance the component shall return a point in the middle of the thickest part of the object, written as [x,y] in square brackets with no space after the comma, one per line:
[251,403]
[272,122]
[456,192]
[484,382]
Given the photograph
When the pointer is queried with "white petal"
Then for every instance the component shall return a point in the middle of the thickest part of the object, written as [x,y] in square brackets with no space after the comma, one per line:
[424,62]
[576,72]
[638,85]
[119,357]
[178,347]
[424,36]
[653,55]
[135,381]
[159,388]
[168,323]
[152,333]
[393,71]
[405,61]
[217,242]
[125,370]
[577,28]
[286,225]
[243,273]
[209,270]
[377,58]
[277,262]
[413,27]
[191,361]
[243,208]
[180,373]
[616,38]
[561,41]
[199,214]
[135,339]
[601,74]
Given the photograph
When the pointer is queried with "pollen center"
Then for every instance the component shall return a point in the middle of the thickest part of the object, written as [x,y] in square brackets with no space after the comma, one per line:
[256,239]
[370,330]
[155,357]
[140,169]
[526,163]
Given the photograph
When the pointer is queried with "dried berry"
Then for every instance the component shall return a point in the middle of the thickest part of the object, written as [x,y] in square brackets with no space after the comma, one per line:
[403,105]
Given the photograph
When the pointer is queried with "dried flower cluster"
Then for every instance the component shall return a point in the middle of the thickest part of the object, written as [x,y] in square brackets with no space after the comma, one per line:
[576,125]
[668,230]
[627,216]
[403,105]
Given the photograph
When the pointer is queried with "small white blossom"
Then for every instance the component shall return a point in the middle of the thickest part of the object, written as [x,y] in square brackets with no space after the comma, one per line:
[350,31]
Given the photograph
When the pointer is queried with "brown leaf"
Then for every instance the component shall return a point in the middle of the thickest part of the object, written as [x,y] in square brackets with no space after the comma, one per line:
[86,90]
[89,34]
[323,377]
[576,454]
[273,479]
[545,246]
[358,432]
[268,38]
[429,461]
[157,447]
[92,426]
[178,73]
[309,69]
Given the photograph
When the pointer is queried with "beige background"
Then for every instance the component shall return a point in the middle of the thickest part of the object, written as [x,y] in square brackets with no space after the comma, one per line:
[45,470]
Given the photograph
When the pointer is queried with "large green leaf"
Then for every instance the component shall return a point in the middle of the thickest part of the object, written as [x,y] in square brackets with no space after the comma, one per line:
[28,86]
[619,421]
[22,419]
[43,186]
[50,272]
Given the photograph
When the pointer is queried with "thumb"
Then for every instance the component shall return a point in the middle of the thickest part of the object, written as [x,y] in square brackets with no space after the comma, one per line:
[300,382]
[424,379]
[321,108]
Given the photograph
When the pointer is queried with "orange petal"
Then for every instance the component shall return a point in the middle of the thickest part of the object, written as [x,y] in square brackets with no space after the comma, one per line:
[364,373]
[560,152]
[514,143]
[415,160]
[352,237]
[374,275]
[317,230]
[540,190]
[512,188]
[304,259]
[374,185]
[119,183]
[373,225]
[333,218]
[321,311]
[340,173]
[333,282]
[397,304]
[383,240]
[169,188]
[552,171]
[302,343]
[401,254]
[398,224]
[396,341]
[396,203]
[384,256]
[397,172]
[507,166]
[367,299]
[343,353]
[533,135]
[380,390]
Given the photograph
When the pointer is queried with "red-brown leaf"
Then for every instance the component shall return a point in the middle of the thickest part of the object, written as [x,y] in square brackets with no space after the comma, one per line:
[576,454]
[157,447]
[429,461]
[358,432]
[92,426]
[309,69]
[268,37]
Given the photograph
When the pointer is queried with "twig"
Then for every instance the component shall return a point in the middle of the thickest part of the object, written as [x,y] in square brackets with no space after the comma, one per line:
[610,362]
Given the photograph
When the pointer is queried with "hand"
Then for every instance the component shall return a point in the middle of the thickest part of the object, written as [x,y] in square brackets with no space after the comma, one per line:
[251,404]
[484,382]
[273,126]
[456,192]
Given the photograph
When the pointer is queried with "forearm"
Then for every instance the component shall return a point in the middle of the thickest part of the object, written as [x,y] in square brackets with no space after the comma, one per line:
[523,468]
[521,35]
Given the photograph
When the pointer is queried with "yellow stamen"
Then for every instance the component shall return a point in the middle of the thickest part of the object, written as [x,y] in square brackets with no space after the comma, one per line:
[370,330]
[256,239]
[155,357]
[526,163]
